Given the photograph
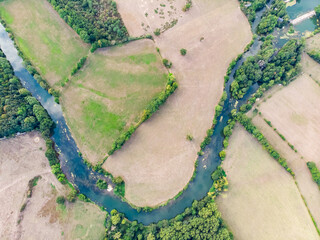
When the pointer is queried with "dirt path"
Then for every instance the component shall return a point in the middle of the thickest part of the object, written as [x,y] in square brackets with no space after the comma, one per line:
[158,161]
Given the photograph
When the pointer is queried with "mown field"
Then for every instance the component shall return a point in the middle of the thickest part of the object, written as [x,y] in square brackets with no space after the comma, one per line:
[21,159]
[158,161]
[263,201]
[293,111]
[110,93]
[51,45]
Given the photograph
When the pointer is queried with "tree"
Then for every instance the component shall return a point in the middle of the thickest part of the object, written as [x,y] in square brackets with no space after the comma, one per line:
[183,51]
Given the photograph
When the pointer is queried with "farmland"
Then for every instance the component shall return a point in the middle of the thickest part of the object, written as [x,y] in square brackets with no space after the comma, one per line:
[263,201]
[285,108]
[158,161]
[22,158]
[110,93]
[50,44]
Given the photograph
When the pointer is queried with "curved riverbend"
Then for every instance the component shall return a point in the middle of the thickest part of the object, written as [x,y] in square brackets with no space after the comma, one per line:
[84,178]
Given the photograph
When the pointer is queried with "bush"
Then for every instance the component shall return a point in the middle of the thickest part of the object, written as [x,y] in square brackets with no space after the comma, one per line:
[183,51]
[157,32]
[102,184]
[167,63]
[60,200]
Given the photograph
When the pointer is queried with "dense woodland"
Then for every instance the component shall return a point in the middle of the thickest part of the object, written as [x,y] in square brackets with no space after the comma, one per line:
[250,7]
[96,21]
[275,16]
[19,111]
[269,66]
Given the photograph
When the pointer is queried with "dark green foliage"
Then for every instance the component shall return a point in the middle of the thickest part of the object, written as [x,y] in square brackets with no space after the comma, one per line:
[60,200]
[19,111]
[153,106]
[93,20]
[314,172]
[201,221]
[276,16]
[167,63]
[248,125]
[267,67]
[102,184]
[80,64]
[250,7]
[120,186]
[183,51]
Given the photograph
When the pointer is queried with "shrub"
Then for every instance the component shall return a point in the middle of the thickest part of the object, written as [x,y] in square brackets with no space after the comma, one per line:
[60,200]
[157,32]
[189,137]
[167,63]
[183,51]
[102,184]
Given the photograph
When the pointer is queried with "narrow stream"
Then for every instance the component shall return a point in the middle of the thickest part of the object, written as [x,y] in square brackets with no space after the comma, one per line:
[84,178]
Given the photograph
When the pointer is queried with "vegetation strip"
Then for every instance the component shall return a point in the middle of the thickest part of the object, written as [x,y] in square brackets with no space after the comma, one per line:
[315,173]
[153,106]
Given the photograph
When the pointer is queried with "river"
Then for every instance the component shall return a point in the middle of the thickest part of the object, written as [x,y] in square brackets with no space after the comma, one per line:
[85,179]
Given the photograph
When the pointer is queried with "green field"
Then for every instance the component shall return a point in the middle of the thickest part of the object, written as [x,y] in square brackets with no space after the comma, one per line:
[109,95]
[50,44]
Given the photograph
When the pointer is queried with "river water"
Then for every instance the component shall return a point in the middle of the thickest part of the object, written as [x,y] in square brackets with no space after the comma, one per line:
[84,178]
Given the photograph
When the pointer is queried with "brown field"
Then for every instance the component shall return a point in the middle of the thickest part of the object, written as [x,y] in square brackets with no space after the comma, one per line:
[158,161]
[110,93]
[287,111]
[263,201]
[21,159]
[47,41]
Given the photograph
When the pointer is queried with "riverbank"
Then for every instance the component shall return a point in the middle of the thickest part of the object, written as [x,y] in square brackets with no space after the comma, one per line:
[158,161]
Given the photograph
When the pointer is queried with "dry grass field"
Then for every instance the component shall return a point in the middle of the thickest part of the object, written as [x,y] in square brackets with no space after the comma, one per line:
[110,93]
[263,201]
[51,45]
[158,161]
[21,159]
[287,111]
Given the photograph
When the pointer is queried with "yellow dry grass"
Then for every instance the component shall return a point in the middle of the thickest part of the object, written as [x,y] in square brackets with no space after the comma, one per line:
[263,201]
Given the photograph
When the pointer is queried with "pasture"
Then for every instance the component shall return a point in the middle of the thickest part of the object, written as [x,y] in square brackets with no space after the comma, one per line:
[22,158]
[263,201]
[50,44]
[158,161]
[110,93]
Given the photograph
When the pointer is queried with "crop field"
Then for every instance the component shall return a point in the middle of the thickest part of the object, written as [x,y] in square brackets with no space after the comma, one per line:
[263,201]
[110,93]
[286,111]
[158,161]
[21,159]
[51,45]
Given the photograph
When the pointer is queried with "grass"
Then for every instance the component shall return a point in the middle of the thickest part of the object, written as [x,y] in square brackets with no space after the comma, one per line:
[51,45]
[109,94]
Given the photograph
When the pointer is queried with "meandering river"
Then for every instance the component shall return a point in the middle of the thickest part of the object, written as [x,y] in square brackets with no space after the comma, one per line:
[84,178]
